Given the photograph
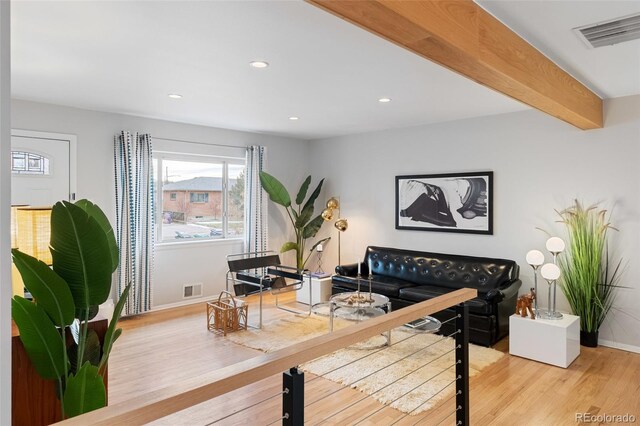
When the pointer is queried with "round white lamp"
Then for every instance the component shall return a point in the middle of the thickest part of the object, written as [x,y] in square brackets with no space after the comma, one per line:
[555,246]
[551,273]
[535,258]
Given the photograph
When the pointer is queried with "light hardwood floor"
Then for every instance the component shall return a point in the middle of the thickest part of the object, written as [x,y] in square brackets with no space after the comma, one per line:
[164,347]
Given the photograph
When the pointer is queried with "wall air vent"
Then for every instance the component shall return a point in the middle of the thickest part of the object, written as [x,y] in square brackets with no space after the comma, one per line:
[610,32]
[191,290]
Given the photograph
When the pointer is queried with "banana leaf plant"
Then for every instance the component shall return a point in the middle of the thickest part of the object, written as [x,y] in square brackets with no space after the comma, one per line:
[305,225]
[66,297]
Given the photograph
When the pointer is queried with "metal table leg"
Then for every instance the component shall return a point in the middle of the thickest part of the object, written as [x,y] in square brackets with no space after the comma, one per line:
[389,331]
[332,309]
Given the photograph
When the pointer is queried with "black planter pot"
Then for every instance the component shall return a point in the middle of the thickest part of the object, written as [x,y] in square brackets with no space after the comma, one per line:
[589,338]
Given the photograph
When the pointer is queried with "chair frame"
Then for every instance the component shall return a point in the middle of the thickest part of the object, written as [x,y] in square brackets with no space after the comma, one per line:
[270,265]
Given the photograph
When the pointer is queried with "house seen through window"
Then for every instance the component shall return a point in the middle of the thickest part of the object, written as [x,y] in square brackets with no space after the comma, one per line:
[198,198]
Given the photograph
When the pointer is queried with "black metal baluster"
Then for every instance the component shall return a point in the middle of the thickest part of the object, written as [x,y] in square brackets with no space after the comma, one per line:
[293,397]
[462,365]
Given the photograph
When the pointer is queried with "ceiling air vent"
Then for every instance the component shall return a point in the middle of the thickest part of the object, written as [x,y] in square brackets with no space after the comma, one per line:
[610,32]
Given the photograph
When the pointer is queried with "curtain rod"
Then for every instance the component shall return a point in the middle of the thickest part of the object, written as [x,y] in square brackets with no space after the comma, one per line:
[200,143]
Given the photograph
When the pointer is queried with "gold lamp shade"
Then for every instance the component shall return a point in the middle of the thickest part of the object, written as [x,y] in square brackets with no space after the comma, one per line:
[341,225]
[34,232]
[327,214]
[333,204]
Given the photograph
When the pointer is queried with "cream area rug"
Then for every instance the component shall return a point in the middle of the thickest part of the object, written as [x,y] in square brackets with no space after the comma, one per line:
[411,375]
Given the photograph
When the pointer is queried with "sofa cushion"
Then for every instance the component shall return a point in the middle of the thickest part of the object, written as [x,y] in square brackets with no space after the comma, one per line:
[442,270]
[380,284]
[422,293]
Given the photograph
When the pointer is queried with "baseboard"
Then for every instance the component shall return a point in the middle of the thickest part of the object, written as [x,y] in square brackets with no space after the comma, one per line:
[183,303]
[622,346]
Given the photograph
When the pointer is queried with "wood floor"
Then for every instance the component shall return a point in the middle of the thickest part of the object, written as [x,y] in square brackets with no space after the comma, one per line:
[165,347]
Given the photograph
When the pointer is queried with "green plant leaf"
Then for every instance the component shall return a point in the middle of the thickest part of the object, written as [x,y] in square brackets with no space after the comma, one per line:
[92,351]
[277,192]
[586,280]
[40,338]
[84,391]
[81,254]
[303,190]
[93,311]
[288,247]
[95,212]
[314,195]
[312,228]
[112,333]
[49,290]
[319,242]
[304,217]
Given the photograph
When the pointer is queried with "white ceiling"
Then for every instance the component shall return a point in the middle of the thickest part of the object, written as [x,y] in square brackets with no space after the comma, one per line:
[610,71]
[126,57]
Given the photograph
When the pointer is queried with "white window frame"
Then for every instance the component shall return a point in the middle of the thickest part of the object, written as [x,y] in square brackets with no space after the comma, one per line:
[161,156]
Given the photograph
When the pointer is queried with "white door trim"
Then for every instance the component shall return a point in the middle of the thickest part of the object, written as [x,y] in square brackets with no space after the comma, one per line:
[5,213]
[73,153]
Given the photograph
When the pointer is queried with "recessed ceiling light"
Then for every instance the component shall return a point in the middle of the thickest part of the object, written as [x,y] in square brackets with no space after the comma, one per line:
[174,96]
[294,118]
[384,100]
[259,64]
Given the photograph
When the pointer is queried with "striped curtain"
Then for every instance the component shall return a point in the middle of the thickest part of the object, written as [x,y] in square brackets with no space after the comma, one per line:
[134,218]
[255,205]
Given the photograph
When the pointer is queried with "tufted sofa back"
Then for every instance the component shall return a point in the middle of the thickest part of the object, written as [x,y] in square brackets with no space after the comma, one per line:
[443,270]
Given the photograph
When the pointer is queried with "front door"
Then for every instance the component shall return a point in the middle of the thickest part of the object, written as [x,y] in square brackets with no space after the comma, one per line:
[42,173]
[40,168]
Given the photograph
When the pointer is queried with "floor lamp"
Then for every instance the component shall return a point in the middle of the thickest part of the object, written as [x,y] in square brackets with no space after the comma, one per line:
[341,224]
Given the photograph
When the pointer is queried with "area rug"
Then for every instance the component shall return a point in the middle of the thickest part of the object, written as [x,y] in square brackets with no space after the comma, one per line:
[391,375]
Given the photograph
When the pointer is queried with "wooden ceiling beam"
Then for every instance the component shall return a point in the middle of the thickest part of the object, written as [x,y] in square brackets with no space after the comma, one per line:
[463,37]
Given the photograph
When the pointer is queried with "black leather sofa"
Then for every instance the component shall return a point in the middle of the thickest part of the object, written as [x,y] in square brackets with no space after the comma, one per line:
[407,277]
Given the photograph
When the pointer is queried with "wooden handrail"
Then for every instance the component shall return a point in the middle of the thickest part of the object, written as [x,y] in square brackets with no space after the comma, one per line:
[163,402]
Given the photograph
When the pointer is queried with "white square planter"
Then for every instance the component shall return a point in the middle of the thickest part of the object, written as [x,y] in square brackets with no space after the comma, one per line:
[555,342]
[320,291]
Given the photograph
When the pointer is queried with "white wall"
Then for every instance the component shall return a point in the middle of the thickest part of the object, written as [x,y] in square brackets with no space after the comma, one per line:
[539,164]
[174,265]
[5,214]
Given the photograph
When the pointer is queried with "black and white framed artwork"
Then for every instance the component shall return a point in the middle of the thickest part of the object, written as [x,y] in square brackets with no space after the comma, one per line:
[452,202]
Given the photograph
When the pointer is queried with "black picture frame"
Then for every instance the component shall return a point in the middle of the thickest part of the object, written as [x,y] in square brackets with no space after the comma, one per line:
[448,202]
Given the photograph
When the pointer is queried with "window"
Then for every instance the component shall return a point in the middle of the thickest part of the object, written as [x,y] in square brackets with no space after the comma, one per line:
[198,197]
[29,163]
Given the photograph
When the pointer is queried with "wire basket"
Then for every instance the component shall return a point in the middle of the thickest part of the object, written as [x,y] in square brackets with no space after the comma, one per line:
[227,314]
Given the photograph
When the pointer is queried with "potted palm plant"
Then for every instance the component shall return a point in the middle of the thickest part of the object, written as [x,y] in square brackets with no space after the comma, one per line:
[66,297]
[588,279]
[301,216]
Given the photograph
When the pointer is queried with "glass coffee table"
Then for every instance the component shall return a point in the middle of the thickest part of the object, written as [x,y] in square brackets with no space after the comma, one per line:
[359,306]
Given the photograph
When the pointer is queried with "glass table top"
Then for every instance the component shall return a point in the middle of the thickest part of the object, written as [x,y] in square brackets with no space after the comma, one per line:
[359,300]
[423,325]
[358,314]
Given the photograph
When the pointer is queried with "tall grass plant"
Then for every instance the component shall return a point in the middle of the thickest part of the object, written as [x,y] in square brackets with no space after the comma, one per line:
[588,282]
